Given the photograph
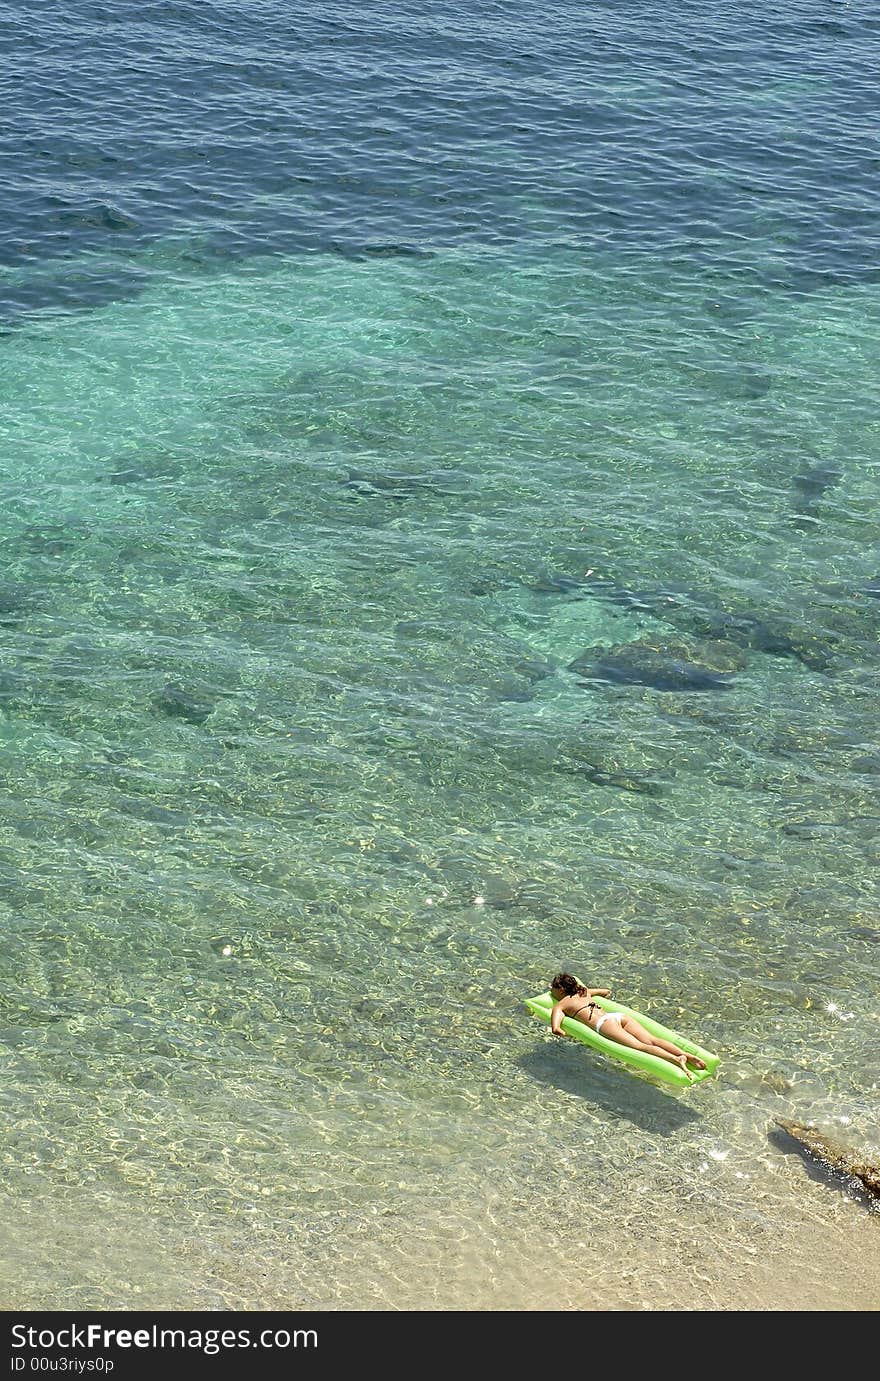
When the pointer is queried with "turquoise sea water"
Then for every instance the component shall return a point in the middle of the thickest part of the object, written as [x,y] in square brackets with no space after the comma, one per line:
[356,384]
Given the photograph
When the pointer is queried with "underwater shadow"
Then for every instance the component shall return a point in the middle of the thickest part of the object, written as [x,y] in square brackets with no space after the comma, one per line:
[616,1090]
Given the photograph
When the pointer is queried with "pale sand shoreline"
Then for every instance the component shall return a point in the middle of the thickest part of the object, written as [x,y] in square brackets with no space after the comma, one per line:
[488,1259]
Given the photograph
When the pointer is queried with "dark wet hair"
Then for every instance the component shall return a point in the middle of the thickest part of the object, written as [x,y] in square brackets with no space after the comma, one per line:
[569,985]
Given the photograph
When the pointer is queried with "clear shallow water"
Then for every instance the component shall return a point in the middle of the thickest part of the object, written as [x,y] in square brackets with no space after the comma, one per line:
[354,386]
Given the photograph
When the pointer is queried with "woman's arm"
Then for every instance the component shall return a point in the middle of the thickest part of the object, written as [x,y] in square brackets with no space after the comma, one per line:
[556,1020]
[598,992]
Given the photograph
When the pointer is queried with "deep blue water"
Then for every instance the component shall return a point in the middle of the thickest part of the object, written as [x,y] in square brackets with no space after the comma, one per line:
[416,130]
[439,488]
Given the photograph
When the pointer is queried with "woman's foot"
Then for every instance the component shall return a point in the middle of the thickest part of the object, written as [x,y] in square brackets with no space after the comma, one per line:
[682,1062]
[701,1064]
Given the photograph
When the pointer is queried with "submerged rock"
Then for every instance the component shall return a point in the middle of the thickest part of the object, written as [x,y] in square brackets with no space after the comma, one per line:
[553,583]
[606,759]
[179,703]
[640,664]
[862,826]
[813,482]
[127,476]
[15,602]
[866,933]
[50,539]
[693,613]
[807,489]
[101,214]
[656,602]
[832,1156]
[868,763]
[773,637]
[623,781]
[534,669]
[369,484]
[391,249]
[809,829]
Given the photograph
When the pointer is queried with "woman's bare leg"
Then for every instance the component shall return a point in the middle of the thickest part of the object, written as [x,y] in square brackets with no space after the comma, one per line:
[617,1033]
[636,1029]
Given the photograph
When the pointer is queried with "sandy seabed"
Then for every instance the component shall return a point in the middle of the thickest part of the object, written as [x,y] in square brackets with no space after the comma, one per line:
[109,1256]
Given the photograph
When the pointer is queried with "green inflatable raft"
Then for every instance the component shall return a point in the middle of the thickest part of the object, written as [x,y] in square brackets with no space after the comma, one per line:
[542,1006]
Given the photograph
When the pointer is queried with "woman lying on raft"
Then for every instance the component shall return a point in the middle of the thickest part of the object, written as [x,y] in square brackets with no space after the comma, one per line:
[573,1000]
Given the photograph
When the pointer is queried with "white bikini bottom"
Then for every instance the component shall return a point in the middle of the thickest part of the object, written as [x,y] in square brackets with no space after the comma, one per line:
[607,1016]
